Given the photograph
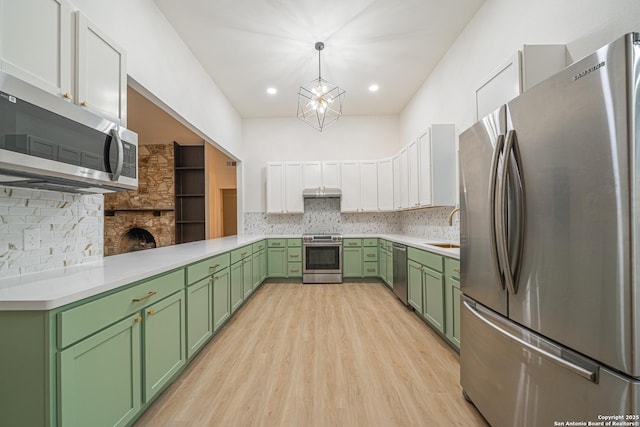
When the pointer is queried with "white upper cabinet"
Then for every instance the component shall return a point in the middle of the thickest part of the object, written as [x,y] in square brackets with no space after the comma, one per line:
[385,184]
[403,175]
[397,203]
[35,43]
[424,174]
[439,178]
[101,72]
[526,68]
[284,187]
[413,166]
[359,186]
[321,175]
[40,40]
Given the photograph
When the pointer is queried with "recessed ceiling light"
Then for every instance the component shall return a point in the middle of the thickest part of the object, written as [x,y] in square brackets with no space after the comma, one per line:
[272,90]
[373,88]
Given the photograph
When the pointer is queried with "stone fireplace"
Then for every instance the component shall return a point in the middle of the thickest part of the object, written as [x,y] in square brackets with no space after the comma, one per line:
[143,219]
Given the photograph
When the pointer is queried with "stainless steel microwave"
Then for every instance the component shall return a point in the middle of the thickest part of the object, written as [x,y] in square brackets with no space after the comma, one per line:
[51,144]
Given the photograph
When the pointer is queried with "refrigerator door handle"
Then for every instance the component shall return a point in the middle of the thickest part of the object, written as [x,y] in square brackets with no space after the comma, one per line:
[493,177]
[589,373]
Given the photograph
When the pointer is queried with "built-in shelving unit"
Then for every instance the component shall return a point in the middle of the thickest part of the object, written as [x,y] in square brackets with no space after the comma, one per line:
[190,192]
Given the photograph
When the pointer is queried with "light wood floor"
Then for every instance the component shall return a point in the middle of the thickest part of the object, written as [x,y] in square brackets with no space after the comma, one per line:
[319,355]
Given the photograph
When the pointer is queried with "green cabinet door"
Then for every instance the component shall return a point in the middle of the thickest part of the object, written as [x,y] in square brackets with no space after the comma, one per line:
[164,343]
[390,269]
[434,298]
[352,261]
[455,313]
[99,378]
[247,276]
[263,265]
[256,274]
[199,314]
[414,285]
[382,264]
[277,262]
[237,286]
[221,298]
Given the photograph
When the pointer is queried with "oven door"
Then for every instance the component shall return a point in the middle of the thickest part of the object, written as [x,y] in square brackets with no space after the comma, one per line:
[322,258]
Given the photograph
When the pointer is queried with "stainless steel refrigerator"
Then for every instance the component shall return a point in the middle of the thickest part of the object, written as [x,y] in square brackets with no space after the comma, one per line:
[550,248]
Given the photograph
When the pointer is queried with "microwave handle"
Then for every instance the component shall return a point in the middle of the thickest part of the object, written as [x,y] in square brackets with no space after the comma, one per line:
[120,159]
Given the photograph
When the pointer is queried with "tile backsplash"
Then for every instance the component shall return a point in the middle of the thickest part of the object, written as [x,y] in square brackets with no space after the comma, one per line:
[70,227]
[324,216]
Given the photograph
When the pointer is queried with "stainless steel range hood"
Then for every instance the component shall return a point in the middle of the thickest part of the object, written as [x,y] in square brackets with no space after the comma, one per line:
[310,193]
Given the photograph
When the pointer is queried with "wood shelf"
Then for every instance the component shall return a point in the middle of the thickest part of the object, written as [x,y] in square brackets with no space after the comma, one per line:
[190,192]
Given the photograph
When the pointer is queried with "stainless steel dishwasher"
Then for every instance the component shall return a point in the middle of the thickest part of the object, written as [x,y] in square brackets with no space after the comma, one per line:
[400,272]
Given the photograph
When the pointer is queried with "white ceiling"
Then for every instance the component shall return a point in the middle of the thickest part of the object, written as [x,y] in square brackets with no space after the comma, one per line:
[249,45]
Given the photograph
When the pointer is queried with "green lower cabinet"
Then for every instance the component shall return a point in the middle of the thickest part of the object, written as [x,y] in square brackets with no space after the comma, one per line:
[199,314]
[247,276]
[452,301]
[294,269]
[352,261]
[221,298]
[433,298]
[237,286]
[164,343]
[99,379]
[370,269]
[263,265]
[256,274]
[414,285]
[390,268]
[382,264]
[277,262]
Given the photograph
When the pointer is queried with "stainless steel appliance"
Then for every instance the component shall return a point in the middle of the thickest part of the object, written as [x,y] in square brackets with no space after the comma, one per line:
[550,232]
[400,272]
[49,143]
[321,258]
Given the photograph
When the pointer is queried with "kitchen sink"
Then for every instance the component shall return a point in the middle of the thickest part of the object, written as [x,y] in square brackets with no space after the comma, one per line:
[444,245]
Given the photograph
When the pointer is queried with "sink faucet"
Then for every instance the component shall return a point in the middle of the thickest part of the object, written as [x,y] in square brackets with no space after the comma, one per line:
[453,212]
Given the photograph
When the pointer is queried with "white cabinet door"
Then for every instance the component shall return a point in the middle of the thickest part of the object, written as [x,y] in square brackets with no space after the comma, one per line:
[35,43]
[350,201]
[293,188]
[404,179]
[424,159]
[443,165]
[527,67]
[369,186]
[275,187]
[312,175]
[101,72]
[331,175]
[414,174]
[395,161]
[385,185]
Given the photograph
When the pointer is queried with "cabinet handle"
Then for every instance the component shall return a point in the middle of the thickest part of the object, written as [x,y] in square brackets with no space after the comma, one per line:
[457,270]
[152,312]
[370,255]
[214,266]
[68,95]
[138,319]
[84,104]
[295,271]
[370,270]
[149,295]
[294,255]
[217,277]
[243,254]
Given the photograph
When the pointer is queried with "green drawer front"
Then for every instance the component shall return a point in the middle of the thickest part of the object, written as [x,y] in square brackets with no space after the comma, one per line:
[351,242]
[294,243]
[294,269]
[382,244]
[370,254]
[277,243]
[452,267]
[369,242]
[428,259]
[240,253]
[294,254]
[79,322]
[207,267]
[258,246]
[370,268]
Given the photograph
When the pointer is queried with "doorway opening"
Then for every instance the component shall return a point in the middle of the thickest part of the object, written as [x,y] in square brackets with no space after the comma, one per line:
[229,211]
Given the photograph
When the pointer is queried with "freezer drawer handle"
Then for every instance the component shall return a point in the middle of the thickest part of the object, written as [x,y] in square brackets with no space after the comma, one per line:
[589,374]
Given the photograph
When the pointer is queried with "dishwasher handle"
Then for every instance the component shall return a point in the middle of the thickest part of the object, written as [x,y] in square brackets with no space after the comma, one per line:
[401,248]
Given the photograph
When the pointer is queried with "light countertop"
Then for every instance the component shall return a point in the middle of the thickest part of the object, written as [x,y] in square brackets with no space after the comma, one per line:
[55,288]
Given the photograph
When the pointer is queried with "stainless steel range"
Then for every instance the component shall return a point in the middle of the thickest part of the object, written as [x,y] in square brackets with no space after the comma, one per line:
[322,258]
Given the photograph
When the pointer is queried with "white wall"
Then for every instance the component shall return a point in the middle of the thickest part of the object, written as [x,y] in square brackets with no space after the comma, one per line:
[159,61]
[351,138]
[497,31]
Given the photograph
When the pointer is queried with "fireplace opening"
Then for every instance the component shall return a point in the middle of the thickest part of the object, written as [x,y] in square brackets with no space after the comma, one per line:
[137,239]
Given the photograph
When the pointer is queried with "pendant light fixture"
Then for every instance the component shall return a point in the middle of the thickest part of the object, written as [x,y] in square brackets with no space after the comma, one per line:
[320,102]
